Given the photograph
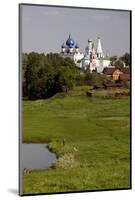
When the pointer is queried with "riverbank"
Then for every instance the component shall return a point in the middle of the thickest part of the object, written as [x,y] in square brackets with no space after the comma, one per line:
[91,137]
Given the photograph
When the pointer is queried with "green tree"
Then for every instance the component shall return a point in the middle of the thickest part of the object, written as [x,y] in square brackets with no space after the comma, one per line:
[65,78]
[24,64]
[31,75]
[113,59]
[126,59]
[45,75]
[119,64]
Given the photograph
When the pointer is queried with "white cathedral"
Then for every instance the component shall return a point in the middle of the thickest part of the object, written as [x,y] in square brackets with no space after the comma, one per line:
[92,59]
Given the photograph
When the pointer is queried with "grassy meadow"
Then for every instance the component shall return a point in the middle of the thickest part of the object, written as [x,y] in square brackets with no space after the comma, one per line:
[90,136]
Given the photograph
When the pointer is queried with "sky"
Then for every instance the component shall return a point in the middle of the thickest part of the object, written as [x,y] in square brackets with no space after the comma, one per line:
[44,28]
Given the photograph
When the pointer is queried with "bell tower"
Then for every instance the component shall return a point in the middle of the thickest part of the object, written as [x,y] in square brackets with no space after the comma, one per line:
[99,49]
[93,57]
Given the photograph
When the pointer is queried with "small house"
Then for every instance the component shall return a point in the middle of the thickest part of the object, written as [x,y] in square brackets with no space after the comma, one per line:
[124,77]
[112,72]
[115,73]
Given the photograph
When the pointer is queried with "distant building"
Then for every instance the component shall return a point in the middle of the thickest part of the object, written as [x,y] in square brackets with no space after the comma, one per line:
[124,77]
[92,59]
[72,51]
[117,74]
[126,70]
[112,72]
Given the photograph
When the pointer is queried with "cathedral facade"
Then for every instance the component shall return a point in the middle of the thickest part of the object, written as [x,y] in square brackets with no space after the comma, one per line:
[92,59]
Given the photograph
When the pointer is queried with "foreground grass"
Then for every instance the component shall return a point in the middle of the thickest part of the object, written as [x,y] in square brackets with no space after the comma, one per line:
[90,136]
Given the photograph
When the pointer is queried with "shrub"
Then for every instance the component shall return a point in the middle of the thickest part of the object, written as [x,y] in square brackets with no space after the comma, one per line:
[65,162]
[126,84]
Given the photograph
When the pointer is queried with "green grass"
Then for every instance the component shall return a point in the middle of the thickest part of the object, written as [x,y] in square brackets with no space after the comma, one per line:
[95,153]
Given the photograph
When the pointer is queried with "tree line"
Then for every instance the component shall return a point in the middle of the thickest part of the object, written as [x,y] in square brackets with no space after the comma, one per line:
[119,62]
[45,75]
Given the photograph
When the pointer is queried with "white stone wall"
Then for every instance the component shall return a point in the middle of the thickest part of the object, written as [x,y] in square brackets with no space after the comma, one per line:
[101,64]
[78,57]
[106,63]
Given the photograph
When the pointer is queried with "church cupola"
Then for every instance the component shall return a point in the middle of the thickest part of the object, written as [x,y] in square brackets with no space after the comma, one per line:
[76,48]
[63,48]
[99,49]
[70,42]
[88,49]
[93,57]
